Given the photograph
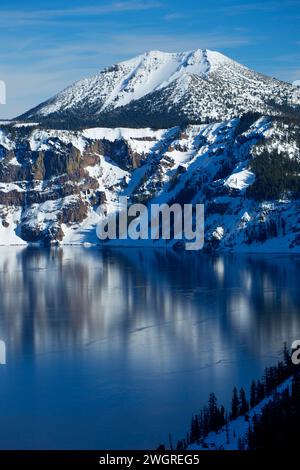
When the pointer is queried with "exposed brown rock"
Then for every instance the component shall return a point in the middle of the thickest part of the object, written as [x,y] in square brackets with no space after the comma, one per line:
[145,139]
[91,156]
[75,212]
[98,198]
[50,235]
[182,136]
[120,152]
[10,173]
[38,168]
[12,198]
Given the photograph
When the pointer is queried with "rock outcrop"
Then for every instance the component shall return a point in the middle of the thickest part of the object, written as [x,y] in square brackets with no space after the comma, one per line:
[55,186]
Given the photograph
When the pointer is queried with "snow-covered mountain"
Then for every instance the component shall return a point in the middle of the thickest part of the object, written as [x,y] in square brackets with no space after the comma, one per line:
[193,127]
[245,170]
[159,89]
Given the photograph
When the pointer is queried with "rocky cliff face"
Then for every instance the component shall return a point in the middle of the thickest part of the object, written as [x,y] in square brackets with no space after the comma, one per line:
[245,170]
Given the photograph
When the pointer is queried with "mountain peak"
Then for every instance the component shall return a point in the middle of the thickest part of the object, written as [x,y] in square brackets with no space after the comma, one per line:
[156,85]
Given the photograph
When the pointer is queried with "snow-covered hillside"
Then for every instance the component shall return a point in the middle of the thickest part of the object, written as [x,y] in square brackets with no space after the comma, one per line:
[52,182]
[229,437]
[160,89]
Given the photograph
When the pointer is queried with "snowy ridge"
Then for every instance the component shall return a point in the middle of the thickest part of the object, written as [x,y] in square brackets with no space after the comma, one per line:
[160,89]
[131,80]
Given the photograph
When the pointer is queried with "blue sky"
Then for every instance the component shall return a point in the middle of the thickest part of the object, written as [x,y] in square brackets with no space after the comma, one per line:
[46,45]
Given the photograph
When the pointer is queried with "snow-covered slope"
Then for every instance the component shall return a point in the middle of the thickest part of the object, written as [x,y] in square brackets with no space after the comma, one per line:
[228,438]
[160,89]
[245,171]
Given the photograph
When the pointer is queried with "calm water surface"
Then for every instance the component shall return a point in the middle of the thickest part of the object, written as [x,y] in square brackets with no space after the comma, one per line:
[115,349]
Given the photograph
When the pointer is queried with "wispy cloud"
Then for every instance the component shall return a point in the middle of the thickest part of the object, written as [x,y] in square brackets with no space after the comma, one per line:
[285,66]
[176,16]
[16,18]
[231,8]
[175,42]
[287,74]
[290,57]
[252,6]
[115,46]
[228,8]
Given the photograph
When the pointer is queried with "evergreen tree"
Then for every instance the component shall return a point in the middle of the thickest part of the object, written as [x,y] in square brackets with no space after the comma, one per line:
[195,429]
[234,404]
[222,416]
[243,403]
[241,444]
[227,430]
[214,418]
[260,388]
[253,394]
[180,446]
[276,426]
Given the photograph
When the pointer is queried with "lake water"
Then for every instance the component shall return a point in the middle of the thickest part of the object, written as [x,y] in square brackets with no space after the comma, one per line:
[117,349]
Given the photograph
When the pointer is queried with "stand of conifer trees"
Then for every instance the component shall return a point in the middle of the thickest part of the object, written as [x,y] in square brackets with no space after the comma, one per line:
[283,410]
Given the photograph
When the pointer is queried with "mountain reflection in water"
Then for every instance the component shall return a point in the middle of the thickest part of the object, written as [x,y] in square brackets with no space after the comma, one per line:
[117,348]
